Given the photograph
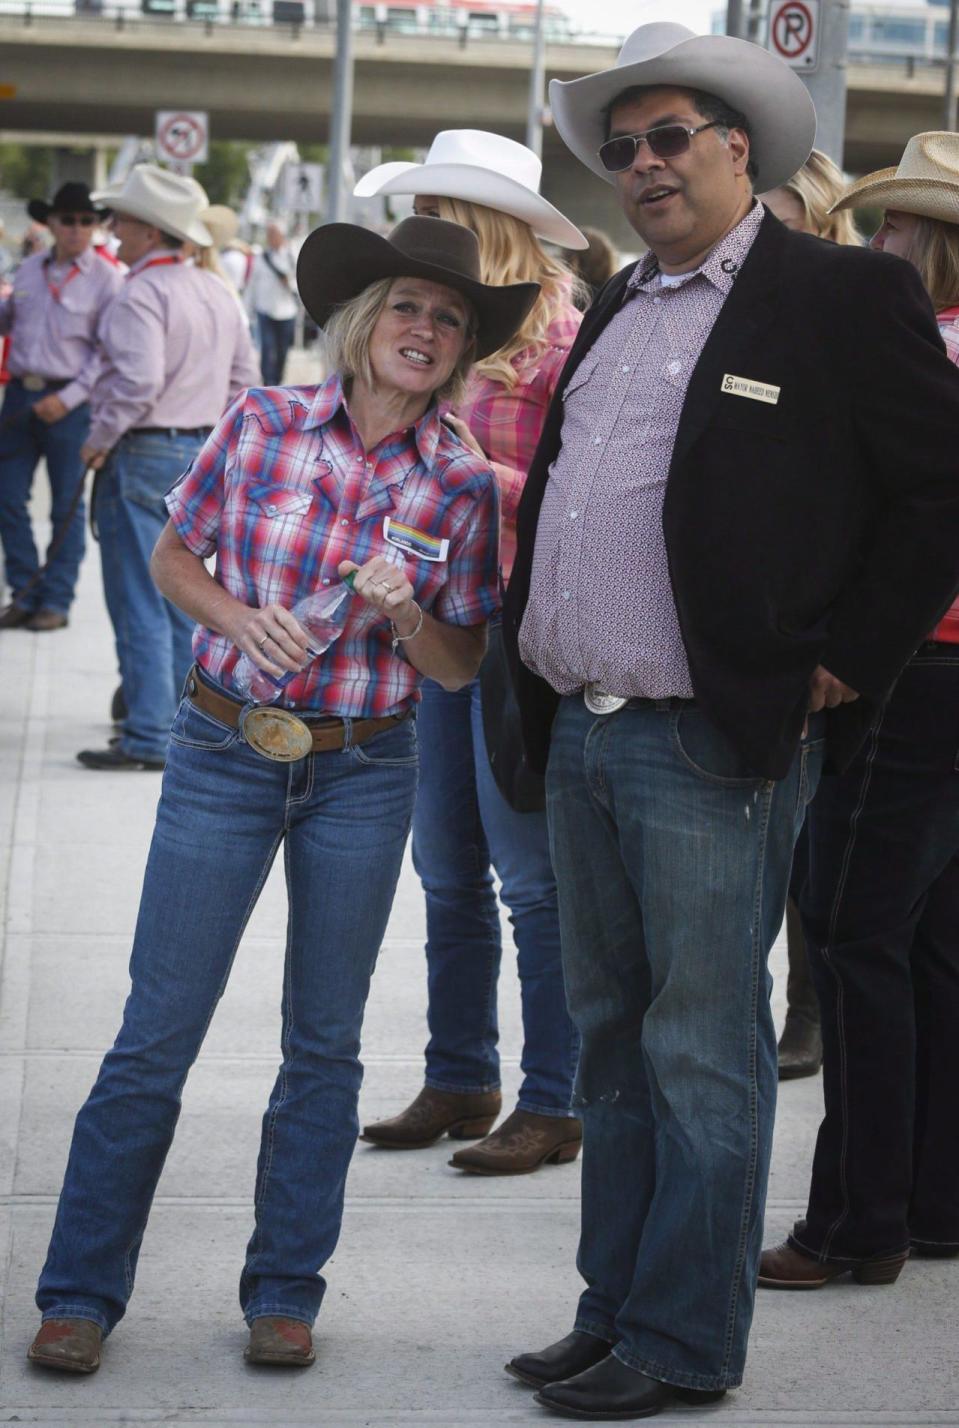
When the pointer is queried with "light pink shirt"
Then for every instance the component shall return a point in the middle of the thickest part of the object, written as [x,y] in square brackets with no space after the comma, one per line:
[177,351]
[53,319]
[601,606]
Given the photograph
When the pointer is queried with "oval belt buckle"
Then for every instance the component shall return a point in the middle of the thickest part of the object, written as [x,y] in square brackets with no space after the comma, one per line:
[597,700]
[275,733]
[32,382]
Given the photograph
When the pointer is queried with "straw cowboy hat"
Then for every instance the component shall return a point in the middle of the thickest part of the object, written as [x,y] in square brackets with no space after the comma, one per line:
[926,181]
[222,223]
[69,198]
[338,261]
[770,95]
[166,201]
[481,168]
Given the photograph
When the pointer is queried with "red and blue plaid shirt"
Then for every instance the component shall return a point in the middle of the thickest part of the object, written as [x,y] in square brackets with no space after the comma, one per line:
[283,490]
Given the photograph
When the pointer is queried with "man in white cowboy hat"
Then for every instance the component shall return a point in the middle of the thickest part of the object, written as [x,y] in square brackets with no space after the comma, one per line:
[52,313]
[177,350]
[744,511]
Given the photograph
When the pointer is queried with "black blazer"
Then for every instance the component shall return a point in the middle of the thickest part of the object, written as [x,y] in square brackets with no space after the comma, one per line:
[820,530]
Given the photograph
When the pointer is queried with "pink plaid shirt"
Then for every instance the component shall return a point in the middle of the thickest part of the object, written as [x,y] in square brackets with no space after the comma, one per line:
[283,490]
[507,425]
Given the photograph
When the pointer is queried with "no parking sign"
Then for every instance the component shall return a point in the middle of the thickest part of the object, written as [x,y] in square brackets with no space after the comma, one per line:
[794,32]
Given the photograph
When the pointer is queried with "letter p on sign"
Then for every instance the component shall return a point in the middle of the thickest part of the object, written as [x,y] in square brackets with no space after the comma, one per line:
[794,32]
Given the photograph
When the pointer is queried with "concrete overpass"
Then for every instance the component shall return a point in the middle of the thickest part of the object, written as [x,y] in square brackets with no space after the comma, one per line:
[96,76]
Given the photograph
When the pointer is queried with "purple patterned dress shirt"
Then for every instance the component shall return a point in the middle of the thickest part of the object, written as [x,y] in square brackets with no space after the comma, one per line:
[177,351]
[53,315]
[601,604]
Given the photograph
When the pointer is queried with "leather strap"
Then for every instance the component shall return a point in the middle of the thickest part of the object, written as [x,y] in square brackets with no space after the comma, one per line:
[328,731]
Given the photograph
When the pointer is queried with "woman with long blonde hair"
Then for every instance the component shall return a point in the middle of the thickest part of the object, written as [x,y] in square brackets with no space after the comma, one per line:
[467,821]
[805,204]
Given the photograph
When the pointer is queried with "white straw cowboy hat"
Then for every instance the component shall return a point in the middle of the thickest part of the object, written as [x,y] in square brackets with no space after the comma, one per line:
[479,167]
[222,223]
[925,182]
[767,92]
[164,200]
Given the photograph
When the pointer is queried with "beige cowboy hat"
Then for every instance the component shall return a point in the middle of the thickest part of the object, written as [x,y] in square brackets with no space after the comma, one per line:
[338,261]
[925,182]
[748,78]
[479,167]
[170,202]
[222,223]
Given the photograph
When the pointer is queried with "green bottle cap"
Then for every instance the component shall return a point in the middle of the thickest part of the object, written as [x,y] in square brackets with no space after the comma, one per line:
[350,580]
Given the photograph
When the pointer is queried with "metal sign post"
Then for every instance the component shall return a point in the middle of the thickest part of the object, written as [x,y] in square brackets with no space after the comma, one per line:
[534,118]
[340,125]
[949,102]
[812,36]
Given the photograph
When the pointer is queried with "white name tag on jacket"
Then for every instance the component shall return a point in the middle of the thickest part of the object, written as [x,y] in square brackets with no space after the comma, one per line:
[746,387]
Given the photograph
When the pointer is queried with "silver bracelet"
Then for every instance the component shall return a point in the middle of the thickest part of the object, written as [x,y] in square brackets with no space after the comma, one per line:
[399,639]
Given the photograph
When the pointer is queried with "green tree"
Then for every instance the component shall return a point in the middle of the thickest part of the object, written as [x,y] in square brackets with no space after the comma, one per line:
[26,170]
[226,174]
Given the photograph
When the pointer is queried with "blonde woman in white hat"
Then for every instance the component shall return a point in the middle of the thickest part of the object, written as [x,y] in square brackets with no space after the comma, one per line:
[882,904]
[464,826]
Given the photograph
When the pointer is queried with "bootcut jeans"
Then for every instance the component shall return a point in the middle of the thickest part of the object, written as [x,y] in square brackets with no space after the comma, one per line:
[24,441]
[343,819]
[154,639]
[462,828]
[672,862]
[881,912]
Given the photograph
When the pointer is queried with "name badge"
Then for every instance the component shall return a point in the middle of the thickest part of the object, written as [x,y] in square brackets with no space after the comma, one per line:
[746,387]
[419,543]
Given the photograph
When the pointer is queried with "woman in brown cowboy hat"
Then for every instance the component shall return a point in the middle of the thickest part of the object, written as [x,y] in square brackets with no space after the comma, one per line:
[881,909]
[295,490]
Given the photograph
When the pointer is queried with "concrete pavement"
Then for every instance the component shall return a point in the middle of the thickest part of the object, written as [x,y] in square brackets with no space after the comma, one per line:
[438,1278]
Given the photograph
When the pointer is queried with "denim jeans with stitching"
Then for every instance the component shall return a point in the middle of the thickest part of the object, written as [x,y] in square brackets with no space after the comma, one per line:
[342,819]
[24,441]
[154,639]
[462,828]
[672,861]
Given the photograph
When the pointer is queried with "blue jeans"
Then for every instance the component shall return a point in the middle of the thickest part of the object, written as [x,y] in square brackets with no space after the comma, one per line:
[672,863]
[461,826]
[276,339]
[154,639]
[343,819]
[24,441]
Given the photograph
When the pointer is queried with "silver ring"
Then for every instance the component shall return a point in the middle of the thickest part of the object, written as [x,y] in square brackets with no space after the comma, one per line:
[261,643]
[386,585]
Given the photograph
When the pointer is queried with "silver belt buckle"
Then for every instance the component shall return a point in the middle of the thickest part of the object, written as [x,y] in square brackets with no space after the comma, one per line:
[598,701]
[33,383]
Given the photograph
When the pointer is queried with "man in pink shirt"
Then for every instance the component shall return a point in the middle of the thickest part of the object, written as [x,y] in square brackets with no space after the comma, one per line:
[52,313]
[176,352]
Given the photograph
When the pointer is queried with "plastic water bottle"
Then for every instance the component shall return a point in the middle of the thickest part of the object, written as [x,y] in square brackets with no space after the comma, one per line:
[323,615]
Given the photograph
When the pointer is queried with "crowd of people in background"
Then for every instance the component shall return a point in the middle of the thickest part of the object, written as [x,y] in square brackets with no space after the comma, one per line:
[663,559]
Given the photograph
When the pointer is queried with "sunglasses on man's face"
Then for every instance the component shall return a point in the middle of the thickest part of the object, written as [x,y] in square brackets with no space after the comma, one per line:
[70,220]
[666,141]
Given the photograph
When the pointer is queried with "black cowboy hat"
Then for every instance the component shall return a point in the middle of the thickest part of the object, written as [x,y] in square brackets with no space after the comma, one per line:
[338,261]
[69,198]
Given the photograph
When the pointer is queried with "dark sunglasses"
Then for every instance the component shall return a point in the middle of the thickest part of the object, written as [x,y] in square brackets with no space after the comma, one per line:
[666,142]
[70,220]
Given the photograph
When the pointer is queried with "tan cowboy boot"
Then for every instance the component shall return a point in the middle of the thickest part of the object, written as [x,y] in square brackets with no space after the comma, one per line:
[71,1345]
[282,1343]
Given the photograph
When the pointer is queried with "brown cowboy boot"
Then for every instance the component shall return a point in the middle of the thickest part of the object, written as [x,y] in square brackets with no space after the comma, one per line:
[460,1115]
[282,1343]
[787,1268]
[523,1143]
[71,1345]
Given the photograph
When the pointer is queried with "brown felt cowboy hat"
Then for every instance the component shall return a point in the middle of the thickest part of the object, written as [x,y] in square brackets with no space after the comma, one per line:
[69,198]
[338,261]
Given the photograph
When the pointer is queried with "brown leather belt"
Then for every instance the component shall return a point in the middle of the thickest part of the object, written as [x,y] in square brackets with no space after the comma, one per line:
[328,731]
